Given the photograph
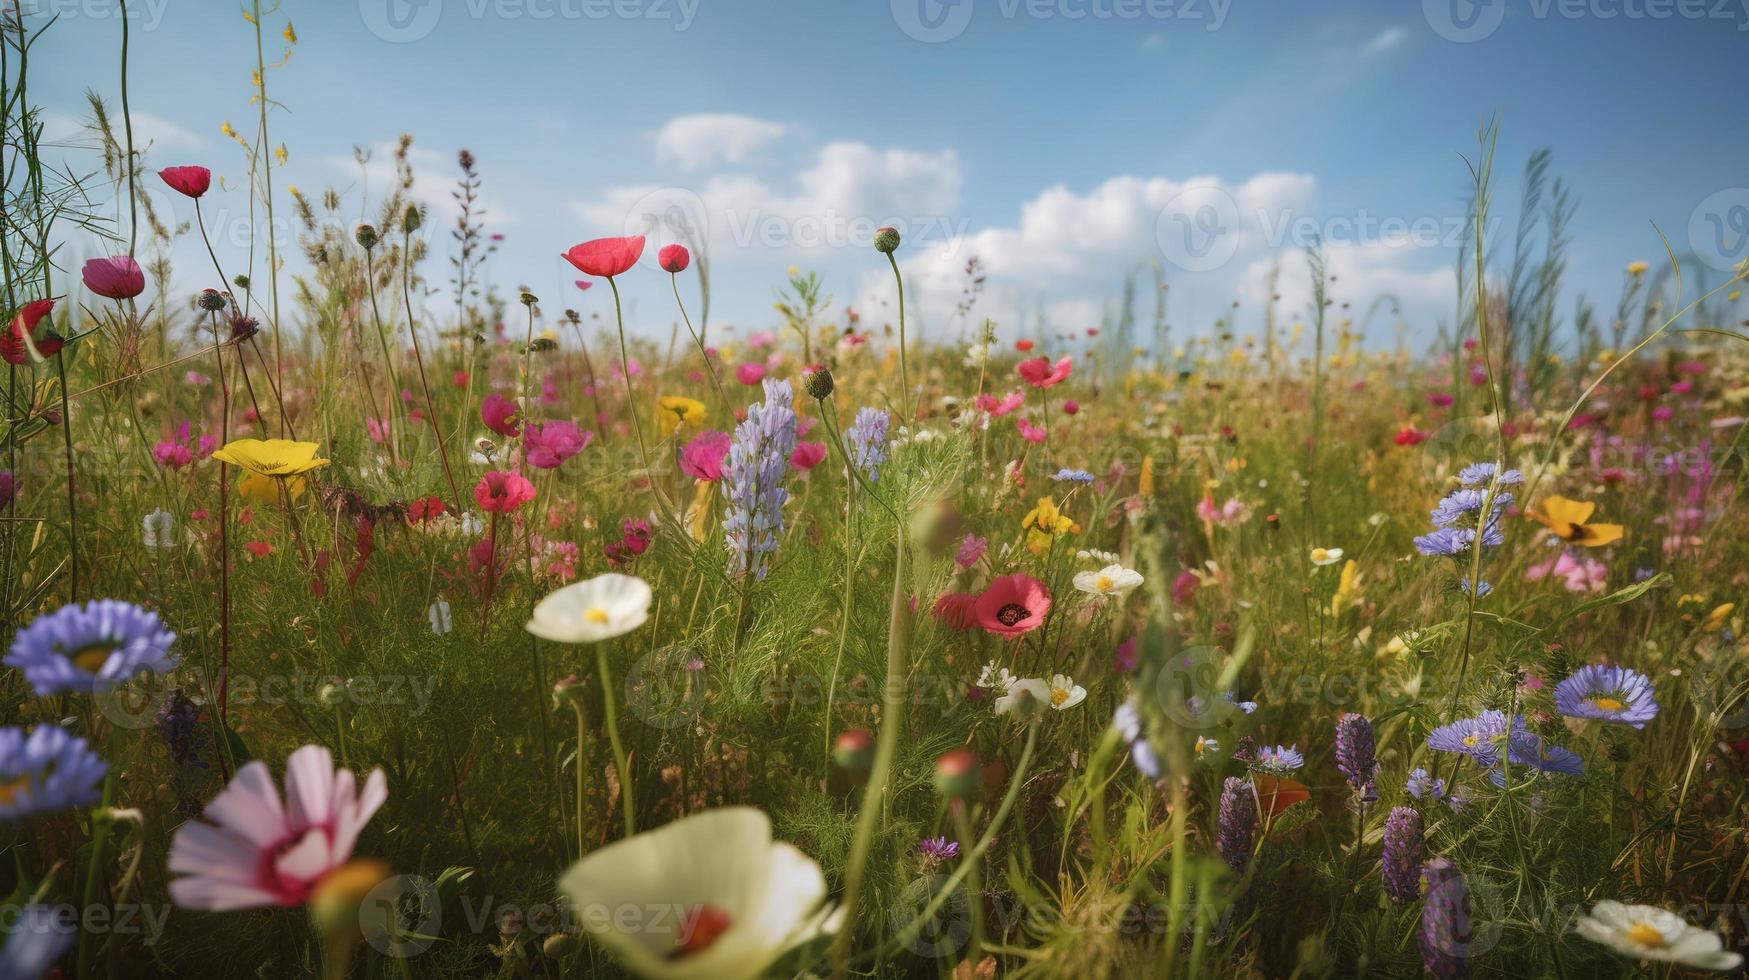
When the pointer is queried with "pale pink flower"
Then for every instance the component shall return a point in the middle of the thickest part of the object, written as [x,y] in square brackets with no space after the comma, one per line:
[1578,574]
[259,851]
[1028,431]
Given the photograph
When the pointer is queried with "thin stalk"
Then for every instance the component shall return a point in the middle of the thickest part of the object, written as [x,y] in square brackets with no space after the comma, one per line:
[619,752]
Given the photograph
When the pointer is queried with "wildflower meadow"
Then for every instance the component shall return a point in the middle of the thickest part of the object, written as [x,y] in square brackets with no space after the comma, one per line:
[372,613]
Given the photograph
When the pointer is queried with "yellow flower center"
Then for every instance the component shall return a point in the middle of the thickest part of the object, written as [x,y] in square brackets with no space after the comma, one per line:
[15,789]
[1058,696]
[1609,704]
[1103,583]
[1470,741]
[1641,934]
[596,615]
[1319,554]
[91,659]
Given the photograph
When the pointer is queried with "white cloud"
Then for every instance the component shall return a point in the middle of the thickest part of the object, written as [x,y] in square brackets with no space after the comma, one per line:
[709,139]
[1385,40]
[152,134]
[434,177]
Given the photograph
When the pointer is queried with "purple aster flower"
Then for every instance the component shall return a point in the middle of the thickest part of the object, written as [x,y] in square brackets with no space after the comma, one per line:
[39,936]
[1608,694]
[1479,738]
[1279,760]
[1529,749]
[1237,821]
[867,437]
[753,476]
[1461,503]
[1067,475]
[91,647]
[1425,787]
[1476,474]
[938,848]
[1445,921]
[46,771]
[1445,542]
[1355,749]
[1400,861]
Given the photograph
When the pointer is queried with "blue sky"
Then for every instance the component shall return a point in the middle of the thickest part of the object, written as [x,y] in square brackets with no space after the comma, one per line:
[1062,142]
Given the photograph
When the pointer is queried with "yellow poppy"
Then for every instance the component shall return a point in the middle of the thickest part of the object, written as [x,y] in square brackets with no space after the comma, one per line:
[265,489]
[271,457]
[674,411]
[1566,518]
[1044,523]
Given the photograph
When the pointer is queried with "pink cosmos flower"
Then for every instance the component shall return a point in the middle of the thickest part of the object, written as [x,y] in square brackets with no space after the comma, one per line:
[807,455]
[258,850]
[501,415]
[702,459]
[547,444]
[1041,373]
[1002,406]
[970,550]
[750,373]
[761,338]
[1028,431]
[500,492]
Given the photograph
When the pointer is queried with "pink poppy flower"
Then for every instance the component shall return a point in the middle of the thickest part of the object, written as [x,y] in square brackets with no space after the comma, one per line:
[1041,373]
[1028,431]
[190,181]
[807,455]
[1581,574]
[674,258]
[500,492]
[1013,605]
[702,459]
[956,609]
[750,373]
[584,284]
[606,257]
[548,444]
[115,277]
[501,415]
[259,851]
[1002,406]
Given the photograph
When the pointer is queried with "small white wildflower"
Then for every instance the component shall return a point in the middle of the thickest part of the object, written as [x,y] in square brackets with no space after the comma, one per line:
[157,528]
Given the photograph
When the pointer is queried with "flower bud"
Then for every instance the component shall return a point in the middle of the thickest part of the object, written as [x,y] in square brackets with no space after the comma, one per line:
[560,946]
[366,236]
[211,300]
[567,691]
[886,239]
[817,382]
[854,751]
[411,219]
[337,902]
[674,258]
[957,774]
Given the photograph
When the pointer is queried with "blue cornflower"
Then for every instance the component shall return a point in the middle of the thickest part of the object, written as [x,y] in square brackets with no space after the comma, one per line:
[1479,738]
[1280,759]
[39,936]
[45,771]
[1607,693]
[91,647]
[938,848]
[867,436]
[1445,541]
[1476,474]
[1425,787]
[753,477]
[1067,475]
[1481,589]
[1529,749]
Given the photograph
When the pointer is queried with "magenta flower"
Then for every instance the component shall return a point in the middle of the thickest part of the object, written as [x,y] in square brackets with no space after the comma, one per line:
[547,444]
[259,850]
[807,455]
[501,492]
[1028,431]
[1041,373]
[702,459]
[501,416]
[970,550]
[116,277]
[750,373]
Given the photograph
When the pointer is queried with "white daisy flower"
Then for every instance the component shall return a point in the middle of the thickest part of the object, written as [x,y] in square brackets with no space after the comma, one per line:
[708,896]
[592,610]
[1646,932]
[1326,556]
[1025,696]
[1112,580]
[1065,693]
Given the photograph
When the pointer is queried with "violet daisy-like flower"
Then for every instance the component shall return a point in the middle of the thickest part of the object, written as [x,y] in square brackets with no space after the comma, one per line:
[46,770]
[867,437]
[1067,475]
[1445,921]
[1280,759]
[1237,821]
[1480,737]
[91,647]
[1400,861]
[1608,694]
[753,477]
[1444,541]
[1530,749]
[1424,787]
[1355,749]
[1476,474]
[938,848]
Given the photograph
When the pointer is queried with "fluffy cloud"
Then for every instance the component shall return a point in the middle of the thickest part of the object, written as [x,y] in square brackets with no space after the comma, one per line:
[710,139]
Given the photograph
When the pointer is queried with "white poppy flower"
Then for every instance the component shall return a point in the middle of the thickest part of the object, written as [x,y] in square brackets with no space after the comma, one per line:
[708,897]
[1065,693]
[592,610]
[1112,580]
[1646,932]
[1326,556]
[1025,696]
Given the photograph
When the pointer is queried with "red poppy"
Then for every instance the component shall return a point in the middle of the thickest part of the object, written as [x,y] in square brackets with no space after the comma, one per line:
[956,609]
[17,344]
[1408,435]
[500,492]
[190,181]
[1023,345]
[115,277]
[424,509]
[1013,605]
[584,284]
[606,257]
[1041,373]
[259,549]
[807,455]
[674,258]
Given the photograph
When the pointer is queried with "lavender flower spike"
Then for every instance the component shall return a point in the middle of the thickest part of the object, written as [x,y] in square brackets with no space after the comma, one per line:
[1401,861]
[1238,820]
[753,477]
[1355,754]
[1445,921]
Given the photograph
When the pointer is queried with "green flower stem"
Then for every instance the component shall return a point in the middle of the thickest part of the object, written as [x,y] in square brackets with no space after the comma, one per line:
[582,734]
[904,372]
[619,752]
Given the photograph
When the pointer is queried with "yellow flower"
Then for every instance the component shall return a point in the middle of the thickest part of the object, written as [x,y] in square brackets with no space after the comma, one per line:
[1717,617]
[1145,483]
[291,36]
[1347,589]
[1566,518]
[674,411]
[265,489]
[1045,523]
[280,155]
[1638,268]
[271,457]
